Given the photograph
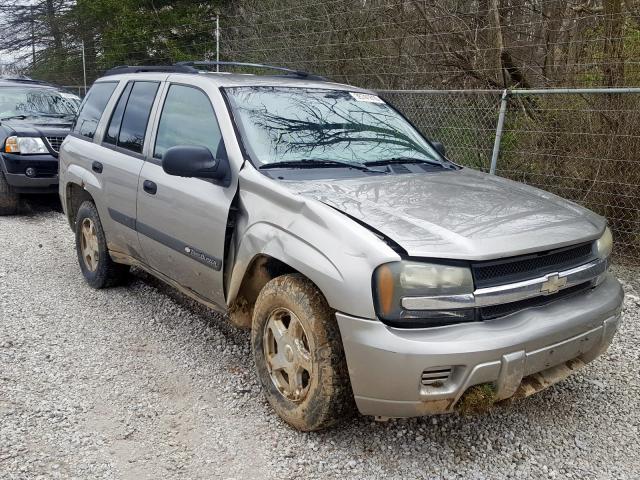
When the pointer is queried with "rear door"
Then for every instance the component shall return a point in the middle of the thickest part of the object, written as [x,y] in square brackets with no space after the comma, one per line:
[79,148]
[121,161]
[182,221]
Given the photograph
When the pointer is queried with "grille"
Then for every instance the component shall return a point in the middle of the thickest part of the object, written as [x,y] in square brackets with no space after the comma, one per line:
[501,272]
[436,376]
[496,311]
[55,142]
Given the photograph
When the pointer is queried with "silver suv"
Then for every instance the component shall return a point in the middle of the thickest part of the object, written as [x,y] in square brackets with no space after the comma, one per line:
[373,272]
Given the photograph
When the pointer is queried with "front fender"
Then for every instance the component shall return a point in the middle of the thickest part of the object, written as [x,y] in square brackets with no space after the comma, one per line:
[337,254]
[271,240]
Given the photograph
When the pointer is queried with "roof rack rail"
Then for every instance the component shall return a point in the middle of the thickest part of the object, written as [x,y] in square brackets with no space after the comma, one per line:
[287,71]
[23,79]
[177,68]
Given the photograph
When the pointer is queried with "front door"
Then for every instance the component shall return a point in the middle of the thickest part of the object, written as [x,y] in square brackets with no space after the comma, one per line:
[181,222]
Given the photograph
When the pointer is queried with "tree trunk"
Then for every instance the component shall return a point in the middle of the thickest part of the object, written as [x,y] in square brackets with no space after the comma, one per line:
[613,49]
[498,44]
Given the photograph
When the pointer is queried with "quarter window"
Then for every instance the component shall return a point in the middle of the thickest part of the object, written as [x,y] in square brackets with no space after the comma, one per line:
[116,118]
[188,119]
[93,107]
[136,116]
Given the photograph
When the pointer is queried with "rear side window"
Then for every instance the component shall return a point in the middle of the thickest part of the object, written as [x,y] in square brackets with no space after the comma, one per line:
[188,119]
[113,130]
[93,107]
[136,116]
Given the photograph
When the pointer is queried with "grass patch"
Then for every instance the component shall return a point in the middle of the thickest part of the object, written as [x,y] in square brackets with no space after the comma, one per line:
[477,399]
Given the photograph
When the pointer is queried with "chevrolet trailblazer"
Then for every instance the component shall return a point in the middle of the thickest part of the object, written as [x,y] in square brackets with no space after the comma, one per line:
[372,271]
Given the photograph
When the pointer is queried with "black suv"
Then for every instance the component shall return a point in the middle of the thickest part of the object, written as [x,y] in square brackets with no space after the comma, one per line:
[35,117]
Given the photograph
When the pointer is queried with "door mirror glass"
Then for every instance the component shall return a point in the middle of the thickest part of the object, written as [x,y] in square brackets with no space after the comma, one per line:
[195,161]
[439,148]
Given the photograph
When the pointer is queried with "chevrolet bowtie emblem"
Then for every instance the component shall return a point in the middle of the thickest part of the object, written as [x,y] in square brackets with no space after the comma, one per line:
[553,284]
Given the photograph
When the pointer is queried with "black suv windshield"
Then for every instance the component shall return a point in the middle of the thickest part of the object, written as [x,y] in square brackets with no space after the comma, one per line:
[36,101]
[281,124]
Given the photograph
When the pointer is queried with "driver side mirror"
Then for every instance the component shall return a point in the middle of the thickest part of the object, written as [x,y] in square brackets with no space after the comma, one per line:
[196,161]
[439,148]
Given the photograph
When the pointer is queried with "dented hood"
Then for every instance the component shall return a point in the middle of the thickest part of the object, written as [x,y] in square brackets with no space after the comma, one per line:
[462,214]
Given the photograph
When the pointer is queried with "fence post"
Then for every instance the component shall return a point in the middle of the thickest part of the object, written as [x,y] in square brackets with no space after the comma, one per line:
[499,127]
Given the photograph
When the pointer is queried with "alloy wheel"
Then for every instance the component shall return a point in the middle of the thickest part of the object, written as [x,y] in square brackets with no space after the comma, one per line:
[89,244]
[287,353]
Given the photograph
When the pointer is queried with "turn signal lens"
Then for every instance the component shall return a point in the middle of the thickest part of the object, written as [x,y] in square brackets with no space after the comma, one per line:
[385,289]
[11,145]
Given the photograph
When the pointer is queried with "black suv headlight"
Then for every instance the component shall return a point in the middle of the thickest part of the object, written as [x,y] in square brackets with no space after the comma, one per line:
[25,145]
[411,294]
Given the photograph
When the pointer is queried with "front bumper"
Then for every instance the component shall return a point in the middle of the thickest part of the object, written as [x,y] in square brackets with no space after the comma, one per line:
[519,354]
[46,167]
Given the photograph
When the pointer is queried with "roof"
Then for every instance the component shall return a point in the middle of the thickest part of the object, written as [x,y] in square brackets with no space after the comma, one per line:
[287,77]
[225,79]
[25,82]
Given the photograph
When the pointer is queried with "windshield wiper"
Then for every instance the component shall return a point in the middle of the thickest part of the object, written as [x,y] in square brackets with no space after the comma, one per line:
[16,117]
[23,116]
[317,163]
[54,115]
[401,160]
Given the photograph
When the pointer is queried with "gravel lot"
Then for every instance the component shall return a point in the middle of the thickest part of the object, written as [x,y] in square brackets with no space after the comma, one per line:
[139,382]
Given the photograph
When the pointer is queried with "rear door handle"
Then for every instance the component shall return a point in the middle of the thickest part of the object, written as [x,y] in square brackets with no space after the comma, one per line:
[150,187]
[96,167]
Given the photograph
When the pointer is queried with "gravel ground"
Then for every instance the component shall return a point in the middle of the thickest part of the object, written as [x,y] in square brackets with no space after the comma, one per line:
[138,382]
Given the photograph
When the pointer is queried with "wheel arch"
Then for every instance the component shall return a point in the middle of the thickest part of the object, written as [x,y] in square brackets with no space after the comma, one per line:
[75,195]
[267,252]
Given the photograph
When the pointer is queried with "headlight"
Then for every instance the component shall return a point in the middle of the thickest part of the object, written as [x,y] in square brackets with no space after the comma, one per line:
[25,145]
[415,294]
[604,245]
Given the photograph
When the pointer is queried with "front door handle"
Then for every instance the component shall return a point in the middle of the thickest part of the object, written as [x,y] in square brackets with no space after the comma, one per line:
[96,167]
[150,187]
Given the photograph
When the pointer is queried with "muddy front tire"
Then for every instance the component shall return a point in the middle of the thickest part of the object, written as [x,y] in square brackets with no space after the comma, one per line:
[8,198]
[299,355]
[97,267]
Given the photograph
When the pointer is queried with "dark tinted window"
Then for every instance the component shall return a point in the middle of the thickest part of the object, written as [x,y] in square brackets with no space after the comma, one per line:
[93,108]
[188,119]
[116,118]
[136,116]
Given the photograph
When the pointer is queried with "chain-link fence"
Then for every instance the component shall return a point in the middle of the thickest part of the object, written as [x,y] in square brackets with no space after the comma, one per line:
[583,145]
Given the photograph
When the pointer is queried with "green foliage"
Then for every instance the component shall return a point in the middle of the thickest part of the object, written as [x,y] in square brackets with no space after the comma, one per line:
[117,32]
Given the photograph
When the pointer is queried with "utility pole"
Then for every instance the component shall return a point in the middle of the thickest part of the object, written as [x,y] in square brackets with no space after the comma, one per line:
[33,39]
[217,42]
[84,70]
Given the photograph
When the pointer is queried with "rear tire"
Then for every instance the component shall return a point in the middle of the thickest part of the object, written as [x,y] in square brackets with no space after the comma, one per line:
[299,356]
[93,256]
[8,198]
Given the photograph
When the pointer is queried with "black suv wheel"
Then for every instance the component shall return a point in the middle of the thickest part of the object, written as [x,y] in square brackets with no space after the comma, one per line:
[8,199]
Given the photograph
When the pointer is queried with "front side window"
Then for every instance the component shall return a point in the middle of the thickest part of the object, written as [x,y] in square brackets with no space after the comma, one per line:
[93,107]
[188,119]
[136,116]
[284,124]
